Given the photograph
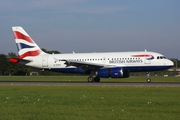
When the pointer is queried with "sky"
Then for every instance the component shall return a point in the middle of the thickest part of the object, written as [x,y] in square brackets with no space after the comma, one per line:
[94,25]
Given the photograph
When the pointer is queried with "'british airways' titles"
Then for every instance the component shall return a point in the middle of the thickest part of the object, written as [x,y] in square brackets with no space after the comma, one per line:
[125,61]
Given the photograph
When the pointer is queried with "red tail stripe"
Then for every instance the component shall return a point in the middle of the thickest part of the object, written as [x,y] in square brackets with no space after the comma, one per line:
[30,53]
[18,35]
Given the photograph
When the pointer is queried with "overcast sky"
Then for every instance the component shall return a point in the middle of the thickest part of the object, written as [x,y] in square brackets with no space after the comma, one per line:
[94,25]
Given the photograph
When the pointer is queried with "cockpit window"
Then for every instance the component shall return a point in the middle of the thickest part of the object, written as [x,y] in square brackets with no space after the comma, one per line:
[161,57]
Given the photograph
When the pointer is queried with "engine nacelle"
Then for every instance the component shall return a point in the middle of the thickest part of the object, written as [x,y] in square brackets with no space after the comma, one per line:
[113,73]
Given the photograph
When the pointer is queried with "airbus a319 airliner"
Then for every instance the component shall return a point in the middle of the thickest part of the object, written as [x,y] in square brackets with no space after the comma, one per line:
[97,65]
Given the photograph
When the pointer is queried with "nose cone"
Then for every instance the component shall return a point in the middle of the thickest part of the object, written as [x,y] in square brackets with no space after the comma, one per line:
[170,63]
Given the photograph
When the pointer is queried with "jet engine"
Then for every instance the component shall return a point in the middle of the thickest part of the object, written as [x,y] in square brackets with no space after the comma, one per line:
[113,73]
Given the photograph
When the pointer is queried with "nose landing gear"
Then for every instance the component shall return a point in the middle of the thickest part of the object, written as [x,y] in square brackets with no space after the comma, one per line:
[148,77]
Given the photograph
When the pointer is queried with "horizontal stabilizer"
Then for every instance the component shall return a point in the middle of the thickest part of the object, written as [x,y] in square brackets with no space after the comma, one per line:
[17,60]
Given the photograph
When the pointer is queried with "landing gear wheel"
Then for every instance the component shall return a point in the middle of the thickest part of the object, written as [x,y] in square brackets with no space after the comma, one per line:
[97,79]
[148,80]
[90,79]
[148,77]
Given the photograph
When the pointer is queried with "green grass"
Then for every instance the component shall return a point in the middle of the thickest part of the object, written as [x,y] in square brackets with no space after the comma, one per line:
[84,79]
[90,103]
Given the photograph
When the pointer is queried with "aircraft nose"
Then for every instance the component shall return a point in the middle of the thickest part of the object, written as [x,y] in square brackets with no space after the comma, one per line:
[170,63]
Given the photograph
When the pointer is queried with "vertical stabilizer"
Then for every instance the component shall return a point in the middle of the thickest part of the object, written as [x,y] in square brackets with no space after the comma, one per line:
[25,44]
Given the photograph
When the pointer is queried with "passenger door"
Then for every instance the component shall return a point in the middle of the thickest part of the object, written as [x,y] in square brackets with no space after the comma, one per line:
[45,61]
[146,61]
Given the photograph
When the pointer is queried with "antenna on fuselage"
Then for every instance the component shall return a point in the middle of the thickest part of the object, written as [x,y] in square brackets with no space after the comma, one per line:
[145,50]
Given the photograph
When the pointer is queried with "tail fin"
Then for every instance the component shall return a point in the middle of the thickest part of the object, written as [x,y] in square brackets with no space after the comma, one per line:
[25,44]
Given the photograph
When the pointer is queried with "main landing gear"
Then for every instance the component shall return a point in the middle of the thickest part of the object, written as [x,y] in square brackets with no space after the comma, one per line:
[93,79]
[148,77]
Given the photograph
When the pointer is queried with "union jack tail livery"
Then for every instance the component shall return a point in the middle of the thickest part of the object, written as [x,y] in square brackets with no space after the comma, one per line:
[25,44]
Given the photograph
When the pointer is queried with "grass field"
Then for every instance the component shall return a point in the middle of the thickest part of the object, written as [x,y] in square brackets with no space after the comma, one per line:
[88,102]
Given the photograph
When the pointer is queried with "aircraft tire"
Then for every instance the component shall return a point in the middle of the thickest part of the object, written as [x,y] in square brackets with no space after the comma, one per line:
[97,79]
[90,79]
[148,80]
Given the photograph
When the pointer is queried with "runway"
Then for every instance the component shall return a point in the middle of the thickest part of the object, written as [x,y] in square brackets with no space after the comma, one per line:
[153,84]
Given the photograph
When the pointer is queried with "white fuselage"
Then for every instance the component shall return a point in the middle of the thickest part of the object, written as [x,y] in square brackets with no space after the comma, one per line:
[135,61]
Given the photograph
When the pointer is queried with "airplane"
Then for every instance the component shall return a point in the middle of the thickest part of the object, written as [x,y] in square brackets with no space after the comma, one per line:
[96,65]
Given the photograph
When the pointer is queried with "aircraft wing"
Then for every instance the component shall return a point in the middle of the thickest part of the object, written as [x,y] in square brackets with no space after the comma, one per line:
[88,65]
